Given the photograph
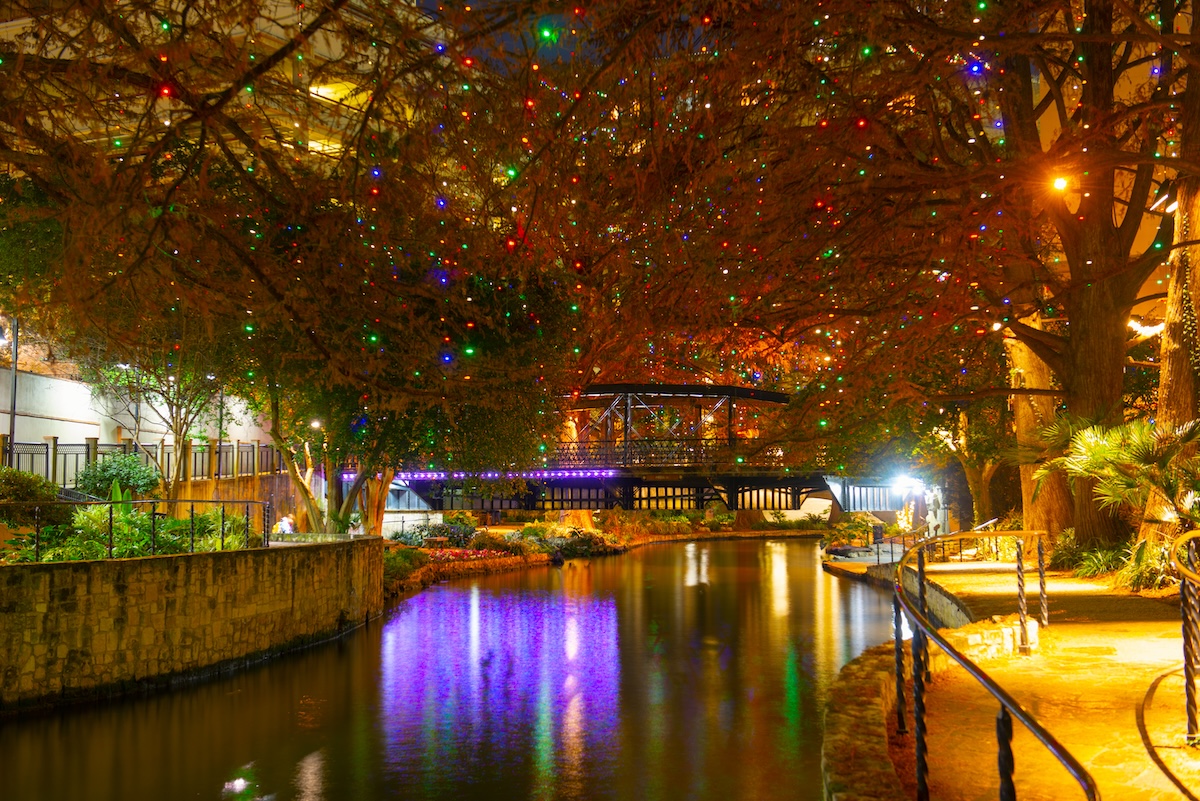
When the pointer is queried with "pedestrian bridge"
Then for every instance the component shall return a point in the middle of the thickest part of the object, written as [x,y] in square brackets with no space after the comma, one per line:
[660,446]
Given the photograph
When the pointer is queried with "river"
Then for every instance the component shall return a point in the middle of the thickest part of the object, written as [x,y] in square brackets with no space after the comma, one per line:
[680,671]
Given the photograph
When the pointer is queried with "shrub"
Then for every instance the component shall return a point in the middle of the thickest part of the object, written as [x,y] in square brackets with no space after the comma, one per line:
[27,498]
[127,469]
[208,531]
[460,517]
[674,525]
[1146,566]
[498,542]
[457,536]
[852,526]
[400,563]
[1099,562]
[630,523]
[1066,554]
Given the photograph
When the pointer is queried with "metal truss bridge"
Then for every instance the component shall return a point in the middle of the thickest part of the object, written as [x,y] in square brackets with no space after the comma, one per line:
[658,446]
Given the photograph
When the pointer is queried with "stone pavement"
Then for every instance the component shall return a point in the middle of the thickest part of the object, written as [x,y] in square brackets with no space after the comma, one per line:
[1106,681]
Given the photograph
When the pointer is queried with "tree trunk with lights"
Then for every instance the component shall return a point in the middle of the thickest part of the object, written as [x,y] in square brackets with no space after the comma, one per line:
[1049,507]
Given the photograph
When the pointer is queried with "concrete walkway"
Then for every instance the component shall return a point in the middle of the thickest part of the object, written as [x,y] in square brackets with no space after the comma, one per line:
[1106,681]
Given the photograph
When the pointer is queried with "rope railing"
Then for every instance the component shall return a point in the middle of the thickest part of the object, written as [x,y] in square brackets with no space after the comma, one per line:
[1183,559]
[924,632]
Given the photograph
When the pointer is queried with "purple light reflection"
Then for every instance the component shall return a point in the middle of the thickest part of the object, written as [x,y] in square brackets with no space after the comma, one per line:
[475,682]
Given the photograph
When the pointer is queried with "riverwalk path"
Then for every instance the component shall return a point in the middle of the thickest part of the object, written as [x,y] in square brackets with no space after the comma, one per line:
[1106,680]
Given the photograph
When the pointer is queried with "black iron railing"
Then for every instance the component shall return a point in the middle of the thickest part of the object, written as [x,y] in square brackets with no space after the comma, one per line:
[664,452]
[72,530]
[924,632]
[1183,559]
[61,462]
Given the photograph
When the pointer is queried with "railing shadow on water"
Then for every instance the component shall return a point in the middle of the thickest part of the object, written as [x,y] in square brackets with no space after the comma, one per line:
[925,632]
[72,530]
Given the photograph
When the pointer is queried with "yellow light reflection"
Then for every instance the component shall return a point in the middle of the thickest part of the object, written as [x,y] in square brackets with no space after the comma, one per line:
[780,592]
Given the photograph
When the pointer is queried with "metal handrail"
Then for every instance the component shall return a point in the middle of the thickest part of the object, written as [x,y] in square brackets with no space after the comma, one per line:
[1009,707]
[1189,610]
[152,506]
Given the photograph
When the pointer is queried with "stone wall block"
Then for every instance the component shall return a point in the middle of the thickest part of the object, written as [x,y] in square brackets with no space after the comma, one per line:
[79,629]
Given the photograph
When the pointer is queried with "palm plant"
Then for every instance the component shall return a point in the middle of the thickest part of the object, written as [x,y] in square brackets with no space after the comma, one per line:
[1131,461]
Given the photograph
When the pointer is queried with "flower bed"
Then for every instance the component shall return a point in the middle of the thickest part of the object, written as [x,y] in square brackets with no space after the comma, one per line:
[465,555]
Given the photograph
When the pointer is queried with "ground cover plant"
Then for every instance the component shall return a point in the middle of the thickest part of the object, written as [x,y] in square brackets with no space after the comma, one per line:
[133,530]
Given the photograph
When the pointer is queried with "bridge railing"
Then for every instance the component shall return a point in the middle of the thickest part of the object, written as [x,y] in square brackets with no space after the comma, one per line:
[924,632]
[659,452]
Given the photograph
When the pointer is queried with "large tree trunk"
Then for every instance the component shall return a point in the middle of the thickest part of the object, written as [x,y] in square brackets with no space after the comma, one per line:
[1094,380]
[1050,508]
[375,496]
[1177,377]
[979,482]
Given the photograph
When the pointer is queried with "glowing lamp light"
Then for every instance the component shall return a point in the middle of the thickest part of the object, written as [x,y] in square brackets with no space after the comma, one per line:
[1146,330]
[907,485]
[1060,183]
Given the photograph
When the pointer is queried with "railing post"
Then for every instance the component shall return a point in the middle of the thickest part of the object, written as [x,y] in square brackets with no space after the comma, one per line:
[183,450]
[898,630]
[192,517]
[37,534]
[1188,611]
[1045,617]
[266,524]
[1004,757]
[93,450]
[222,527]
[110,530]
[153,526]
[249,524]
[924,610]
[52,458]
[1022,608]
[918,677]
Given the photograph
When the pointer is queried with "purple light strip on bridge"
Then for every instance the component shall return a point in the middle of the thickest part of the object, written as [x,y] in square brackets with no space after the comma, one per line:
[433,475]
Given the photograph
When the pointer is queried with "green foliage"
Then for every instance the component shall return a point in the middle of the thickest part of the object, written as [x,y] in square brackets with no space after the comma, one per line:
[460,517]
[457,536]
[135,533]
[852,526]
[1067,553]
[26,498]
[1099,562]
[1131,460]
[1012,520]
[126,469]
[1147,566]
[498,542]
[400,563]
[810,522]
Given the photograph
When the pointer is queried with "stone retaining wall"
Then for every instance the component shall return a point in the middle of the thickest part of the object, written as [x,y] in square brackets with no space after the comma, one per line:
[73,630]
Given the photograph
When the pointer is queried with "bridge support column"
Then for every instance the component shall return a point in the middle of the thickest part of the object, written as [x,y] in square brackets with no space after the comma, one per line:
[732,490]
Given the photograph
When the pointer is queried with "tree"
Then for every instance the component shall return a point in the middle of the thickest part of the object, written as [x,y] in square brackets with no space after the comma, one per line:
[887,172]
[170,368]
[326,182]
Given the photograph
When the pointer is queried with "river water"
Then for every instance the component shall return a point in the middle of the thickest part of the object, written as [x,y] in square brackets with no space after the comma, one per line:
[680,671]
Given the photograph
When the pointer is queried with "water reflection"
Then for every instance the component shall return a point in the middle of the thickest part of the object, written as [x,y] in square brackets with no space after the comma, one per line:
[695,671]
